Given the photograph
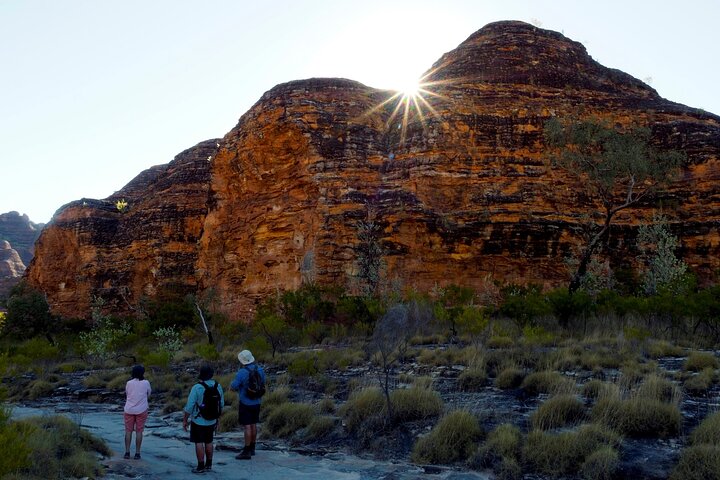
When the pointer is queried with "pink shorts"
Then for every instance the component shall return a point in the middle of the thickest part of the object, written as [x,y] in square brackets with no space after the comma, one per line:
[135,423]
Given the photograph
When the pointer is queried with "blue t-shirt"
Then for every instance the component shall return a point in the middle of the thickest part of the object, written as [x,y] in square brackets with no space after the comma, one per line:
[240,383]
[195,399]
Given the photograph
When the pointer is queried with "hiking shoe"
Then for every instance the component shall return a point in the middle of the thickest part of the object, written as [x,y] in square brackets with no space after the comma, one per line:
[208,467]
[244,455]
[198,470]
[126,456]
[252,449]
[137,456]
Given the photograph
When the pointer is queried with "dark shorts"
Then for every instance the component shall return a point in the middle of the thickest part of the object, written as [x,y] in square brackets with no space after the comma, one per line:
[248,414]
[201,433]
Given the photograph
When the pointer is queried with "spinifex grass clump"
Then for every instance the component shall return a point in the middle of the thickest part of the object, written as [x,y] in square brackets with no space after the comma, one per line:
[473,379]
[500,452]
[565,453]
[638,417]
[59,448]
[558,411]
[453,439]
[701,461]
[288,418]
[698,361]
[363,405]
[547,382]
[415,403]
[508,378]
[699,383]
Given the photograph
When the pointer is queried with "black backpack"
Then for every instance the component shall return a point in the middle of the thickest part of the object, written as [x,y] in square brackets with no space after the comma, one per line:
[256,384]
[211,406]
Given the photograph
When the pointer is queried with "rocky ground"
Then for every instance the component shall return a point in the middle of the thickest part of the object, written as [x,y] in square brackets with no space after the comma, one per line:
[168,448]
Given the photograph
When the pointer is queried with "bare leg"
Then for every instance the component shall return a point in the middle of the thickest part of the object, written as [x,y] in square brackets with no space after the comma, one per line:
[138,442]
[208,453]
[200,453]
[253,433]
[248,434]
[128,438]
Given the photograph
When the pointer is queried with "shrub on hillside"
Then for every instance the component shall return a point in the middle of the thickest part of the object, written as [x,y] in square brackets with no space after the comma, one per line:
[453,439]
[272,399]
[320,427]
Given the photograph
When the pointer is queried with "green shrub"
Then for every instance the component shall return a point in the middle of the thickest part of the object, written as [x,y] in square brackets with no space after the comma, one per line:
[157,359]
[303,365]
[228,420]
[59,448]
[639,417]
[472,379]
[415,403]
[601,464]
[39,388]
[13,441]
[558,411]
[708,432]
[699,383]
[362,405]
[118,382]
[699,462]
[698,361]
[509,378]
[453,439]
[320,427]
[547,382]
[272,399]
[207,351]
[288,418]
[502,444]
[564,453]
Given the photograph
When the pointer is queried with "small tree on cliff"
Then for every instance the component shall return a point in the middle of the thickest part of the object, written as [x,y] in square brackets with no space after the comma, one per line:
[620,169]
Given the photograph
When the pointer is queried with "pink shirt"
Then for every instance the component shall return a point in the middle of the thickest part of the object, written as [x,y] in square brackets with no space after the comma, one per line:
[137,392]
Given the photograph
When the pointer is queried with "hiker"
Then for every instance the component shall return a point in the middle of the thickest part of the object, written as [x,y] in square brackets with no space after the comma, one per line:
[135,413]
[250,387]
[203,406]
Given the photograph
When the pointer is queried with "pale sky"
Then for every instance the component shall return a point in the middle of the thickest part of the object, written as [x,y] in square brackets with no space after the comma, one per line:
[93,92]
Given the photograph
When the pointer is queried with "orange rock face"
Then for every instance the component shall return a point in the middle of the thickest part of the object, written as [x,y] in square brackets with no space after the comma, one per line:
[459,185]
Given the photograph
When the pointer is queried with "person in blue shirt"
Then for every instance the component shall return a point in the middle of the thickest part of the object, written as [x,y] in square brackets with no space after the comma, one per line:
[248,408]
[201,429]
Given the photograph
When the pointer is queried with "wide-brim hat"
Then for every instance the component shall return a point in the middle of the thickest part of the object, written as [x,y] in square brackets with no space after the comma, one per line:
[246,357]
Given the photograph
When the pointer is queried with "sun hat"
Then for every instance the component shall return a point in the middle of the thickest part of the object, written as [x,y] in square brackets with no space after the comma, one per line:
[246,357]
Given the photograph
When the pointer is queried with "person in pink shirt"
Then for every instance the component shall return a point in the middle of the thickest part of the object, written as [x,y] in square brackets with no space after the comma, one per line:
[137,391]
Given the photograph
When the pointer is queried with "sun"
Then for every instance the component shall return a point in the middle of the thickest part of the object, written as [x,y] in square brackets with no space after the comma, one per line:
[410,89]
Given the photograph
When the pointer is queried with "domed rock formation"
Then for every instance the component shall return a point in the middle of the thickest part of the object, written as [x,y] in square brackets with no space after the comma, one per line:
[457,194]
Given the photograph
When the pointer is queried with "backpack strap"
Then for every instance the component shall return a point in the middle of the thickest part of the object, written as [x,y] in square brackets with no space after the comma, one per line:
[205,387]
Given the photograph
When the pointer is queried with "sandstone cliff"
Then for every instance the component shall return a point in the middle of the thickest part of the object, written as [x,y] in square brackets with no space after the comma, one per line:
[460,192]
[17,241]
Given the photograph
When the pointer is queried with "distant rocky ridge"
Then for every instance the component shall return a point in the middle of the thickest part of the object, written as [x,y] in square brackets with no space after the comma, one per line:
[461,195]
[17,241]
